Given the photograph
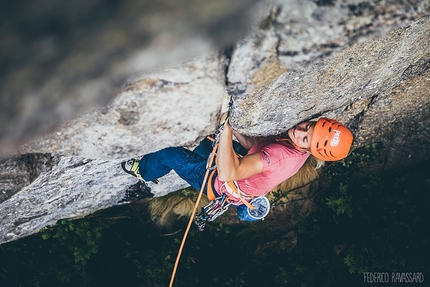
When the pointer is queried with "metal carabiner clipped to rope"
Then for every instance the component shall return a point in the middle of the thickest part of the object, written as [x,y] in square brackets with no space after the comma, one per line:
[220,129]
[211,161]
[215,142]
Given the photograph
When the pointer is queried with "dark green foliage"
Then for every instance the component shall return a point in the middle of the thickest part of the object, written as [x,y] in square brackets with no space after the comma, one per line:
[51,258]
[364,221]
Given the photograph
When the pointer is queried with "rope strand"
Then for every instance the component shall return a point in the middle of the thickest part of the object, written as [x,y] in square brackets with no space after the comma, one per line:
[208,169]
[190,222]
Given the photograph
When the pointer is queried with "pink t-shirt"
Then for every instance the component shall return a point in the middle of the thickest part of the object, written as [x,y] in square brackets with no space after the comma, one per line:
[281,160]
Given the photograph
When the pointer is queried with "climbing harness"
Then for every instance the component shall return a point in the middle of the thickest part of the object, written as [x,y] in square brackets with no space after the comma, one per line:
[219,205]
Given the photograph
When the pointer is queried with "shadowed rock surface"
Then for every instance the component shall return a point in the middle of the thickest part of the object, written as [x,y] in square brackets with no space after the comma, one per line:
[379,87]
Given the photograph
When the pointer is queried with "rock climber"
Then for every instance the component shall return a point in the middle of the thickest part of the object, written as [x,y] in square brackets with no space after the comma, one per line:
[251,167]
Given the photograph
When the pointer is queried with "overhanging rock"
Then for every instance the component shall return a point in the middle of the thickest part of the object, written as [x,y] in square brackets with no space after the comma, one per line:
[366,70]
[174,107]
[379,88]
[171,107]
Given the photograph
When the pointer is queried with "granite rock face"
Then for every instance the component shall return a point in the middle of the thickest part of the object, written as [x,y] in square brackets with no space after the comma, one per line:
[172,107]
[297,66]
[368,70]
[81,171]
[375,81]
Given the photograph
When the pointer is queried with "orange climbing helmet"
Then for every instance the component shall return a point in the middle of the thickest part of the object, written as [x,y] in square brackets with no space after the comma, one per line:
[330,140]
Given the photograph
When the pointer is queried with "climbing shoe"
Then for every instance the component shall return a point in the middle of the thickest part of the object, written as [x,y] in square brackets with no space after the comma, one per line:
[131,166]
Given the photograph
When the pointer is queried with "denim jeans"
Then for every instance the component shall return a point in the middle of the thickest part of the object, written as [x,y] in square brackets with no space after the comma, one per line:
[189,165]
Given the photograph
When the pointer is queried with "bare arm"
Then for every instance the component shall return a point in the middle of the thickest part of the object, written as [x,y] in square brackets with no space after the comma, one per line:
[229,166]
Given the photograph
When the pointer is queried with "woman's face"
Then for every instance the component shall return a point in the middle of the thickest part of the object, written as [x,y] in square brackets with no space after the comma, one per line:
[301,134]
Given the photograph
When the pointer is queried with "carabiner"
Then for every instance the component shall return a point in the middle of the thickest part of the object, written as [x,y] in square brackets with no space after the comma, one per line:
[209,161]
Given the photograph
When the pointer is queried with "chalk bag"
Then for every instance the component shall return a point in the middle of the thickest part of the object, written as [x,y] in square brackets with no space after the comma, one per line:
[261,209]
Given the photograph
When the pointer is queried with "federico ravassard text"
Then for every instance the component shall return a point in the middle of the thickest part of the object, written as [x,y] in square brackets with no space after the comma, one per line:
[393,277]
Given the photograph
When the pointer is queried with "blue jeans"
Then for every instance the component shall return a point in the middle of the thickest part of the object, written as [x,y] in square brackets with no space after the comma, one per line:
[189,165]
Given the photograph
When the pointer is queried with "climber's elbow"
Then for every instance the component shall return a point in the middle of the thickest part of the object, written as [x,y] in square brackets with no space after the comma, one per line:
[226,175]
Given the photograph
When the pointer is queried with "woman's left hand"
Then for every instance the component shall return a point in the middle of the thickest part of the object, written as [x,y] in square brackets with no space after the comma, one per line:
[224,118]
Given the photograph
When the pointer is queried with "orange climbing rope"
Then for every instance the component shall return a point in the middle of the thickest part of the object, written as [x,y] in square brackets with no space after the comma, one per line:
[208,169]
[190,222]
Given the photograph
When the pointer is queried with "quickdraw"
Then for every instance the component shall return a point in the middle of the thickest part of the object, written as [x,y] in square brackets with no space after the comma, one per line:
[211,211]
